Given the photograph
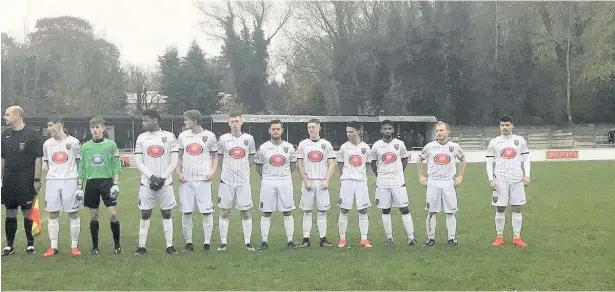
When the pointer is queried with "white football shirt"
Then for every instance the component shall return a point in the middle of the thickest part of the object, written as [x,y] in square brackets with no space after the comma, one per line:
[276,159]
[388,158]
[235,160]
[61,156]
[354,158]
[156,148]
[198,149]
[508,151]
[441,159]
[315,156]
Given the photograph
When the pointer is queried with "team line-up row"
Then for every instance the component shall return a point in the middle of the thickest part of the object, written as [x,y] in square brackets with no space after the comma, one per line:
[196,154]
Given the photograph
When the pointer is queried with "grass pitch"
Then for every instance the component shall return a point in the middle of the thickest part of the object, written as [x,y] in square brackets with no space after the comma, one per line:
[568,224]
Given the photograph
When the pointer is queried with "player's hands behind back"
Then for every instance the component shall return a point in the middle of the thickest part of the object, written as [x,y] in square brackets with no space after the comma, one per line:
[156,183]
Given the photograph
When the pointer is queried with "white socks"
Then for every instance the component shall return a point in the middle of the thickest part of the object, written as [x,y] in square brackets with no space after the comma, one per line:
[321,222]
[208,227]
[75,228]
[430,225]
[451,225]
[409,225]
[363,225]
[54,229]
[187,227]
[500,220]
[517,219]
[246,225]
[307,224]
[343,225]
[386,222]
[143,230]
[223,226]
[289,226]
[167,225]
[265,225]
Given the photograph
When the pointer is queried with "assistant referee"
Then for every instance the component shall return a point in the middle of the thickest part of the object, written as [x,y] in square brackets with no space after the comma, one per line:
[22,152]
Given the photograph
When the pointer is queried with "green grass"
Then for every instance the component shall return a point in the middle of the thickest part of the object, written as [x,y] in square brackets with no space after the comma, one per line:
[568,224]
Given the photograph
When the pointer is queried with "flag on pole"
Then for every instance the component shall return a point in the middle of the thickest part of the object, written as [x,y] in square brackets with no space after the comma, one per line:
[35,216]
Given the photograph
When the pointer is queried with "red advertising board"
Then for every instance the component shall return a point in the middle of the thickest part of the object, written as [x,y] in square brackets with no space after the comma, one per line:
[562,155]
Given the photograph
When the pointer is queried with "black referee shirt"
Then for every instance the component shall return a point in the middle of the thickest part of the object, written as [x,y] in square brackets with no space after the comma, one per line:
[19,151]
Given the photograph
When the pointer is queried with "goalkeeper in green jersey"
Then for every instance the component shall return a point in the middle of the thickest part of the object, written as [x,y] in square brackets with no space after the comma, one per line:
[99,168]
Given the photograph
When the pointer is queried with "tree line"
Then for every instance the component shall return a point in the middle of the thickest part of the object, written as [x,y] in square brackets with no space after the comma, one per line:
[464,62]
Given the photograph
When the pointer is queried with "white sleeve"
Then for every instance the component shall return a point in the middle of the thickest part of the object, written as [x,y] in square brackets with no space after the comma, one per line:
[45,151]
[372,154]
[252,146]
[293,154]
[213,147]
[172,165]
[490,150]
[403,151]
[460,153]
[299,154]
[180,143]
[142,168]
[424,152]
[489,164]
[331,152]
[339,156]
[526,164]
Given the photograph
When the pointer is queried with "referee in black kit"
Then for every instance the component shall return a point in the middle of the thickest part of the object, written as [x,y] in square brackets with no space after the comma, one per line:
[22,152]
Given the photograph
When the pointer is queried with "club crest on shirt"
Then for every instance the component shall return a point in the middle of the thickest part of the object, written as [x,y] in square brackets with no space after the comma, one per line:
[245,142]
[396,146]
[68,146]
[164,139]
[285,149]
[516,142]
[450,149]
[22,145]
[363,150]
[323,146]
[204,139]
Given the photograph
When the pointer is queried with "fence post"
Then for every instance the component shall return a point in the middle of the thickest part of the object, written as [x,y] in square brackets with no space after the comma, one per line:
[550,137]
[594,136]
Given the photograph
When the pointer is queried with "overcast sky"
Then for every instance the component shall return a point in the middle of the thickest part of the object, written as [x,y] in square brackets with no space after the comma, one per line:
[141,29]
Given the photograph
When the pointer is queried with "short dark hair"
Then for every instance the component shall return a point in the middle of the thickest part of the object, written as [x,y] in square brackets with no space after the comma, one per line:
[353,124]
[274,122]
[234,115]
[387,122]
[56,120]
[95,121]
[506,119]
[152,113]
[194,115]
[314,120]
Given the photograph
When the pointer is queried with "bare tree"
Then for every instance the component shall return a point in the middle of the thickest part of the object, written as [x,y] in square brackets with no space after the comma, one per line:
[143,84]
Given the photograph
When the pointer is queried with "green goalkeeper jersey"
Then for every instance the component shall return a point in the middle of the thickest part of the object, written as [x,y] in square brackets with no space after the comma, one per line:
[99,160]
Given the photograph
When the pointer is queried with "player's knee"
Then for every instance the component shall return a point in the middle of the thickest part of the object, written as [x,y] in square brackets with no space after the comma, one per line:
[245,215]
[404,210]
[363,211]
[93,214]
[113,218]
[166,214]
[187,213]
[287,213]
[515,209]
[431,214]
[225,213]
[266,214]
[344,211]
[500,209]
[146,214]
[26,213]
[11,213]
[71,215]
[386,211]
[54,215]
[112,212]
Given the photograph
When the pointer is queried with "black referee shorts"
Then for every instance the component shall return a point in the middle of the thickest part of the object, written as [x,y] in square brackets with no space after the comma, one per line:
[98,188]
[17,193]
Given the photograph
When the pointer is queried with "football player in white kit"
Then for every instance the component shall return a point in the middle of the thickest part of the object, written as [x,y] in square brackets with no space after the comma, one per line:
[508,170]
[156,153]
[352,159]
[316,165]
[61,153]
[275,161]
[389,160]
[441,180]
[236,150]
[198,162]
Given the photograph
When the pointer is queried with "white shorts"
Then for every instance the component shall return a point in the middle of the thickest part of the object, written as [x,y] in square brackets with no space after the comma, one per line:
[441,196]
[354,190]
[165,196]
[391,197]
[508,193]
[315,198]
[277,195]
[60,195]
[193,194]
[240,196]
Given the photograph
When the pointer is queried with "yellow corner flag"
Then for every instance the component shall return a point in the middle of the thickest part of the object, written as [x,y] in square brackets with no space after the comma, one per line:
[35,216]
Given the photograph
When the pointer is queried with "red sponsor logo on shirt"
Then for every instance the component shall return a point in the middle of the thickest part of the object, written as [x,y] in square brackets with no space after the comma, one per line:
[315,156]
[59,157]
[442,159]
[389,157]
[155,151]
[509,153]
[194,149]
[237,152]
[277,160]
[355,160]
